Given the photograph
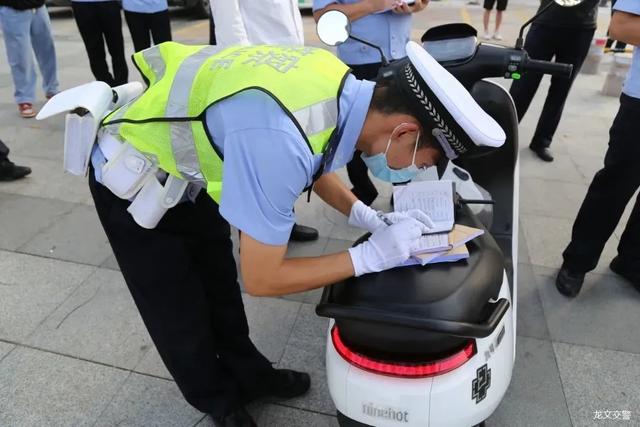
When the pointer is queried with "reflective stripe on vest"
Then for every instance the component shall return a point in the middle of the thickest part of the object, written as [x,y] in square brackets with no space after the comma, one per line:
[167,121]
[182,140]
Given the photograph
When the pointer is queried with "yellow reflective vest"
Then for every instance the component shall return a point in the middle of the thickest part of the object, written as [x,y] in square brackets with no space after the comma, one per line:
[167,121]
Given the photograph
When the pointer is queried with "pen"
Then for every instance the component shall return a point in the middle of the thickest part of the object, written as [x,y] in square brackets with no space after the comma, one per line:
[384,218]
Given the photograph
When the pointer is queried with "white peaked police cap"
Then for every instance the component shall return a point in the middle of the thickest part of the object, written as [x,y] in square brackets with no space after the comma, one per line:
[443,105]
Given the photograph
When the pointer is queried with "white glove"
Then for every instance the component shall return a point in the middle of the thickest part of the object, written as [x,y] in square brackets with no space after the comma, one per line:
[362,216]
[387,247]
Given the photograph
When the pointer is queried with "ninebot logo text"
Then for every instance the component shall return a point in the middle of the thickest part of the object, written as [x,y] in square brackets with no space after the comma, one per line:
[386,413]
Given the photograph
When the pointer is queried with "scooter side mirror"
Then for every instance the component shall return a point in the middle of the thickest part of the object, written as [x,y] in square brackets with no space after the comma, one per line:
[333,27]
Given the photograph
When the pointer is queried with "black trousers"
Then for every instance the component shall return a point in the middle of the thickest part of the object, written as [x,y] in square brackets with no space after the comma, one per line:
[567,45]
[100,22]
[610,191]
[4,152]
[363,188]
[212,30]
[143,26]
[182,276]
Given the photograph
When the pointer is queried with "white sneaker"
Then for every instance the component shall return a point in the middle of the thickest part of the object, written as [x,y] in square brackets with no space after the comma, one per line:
[486,36]
[497,36]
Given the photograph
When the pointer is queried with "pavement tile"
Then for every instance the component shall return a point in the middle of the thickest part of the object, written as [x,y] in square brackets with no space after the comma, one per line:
[282,416]
[588,165]
[552,199]
[562,169]
[269,415]
[548,237]
[5,348]
[531,320]
[338,245]
[27,216]
[49,181]
[271,321]
[76,236]
[35,139]
[31,288]
[152,364]
[38,388]
[110,263]
[147,401]
[98,322]
[534,397]
[523,248]
[599,380]
[305,351]
[605,314]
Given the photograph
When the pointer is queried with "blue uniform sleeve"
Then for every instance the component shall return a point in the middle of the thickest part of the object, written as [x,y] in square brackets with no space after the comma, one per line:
[265,170]
[321,4]
[629,6]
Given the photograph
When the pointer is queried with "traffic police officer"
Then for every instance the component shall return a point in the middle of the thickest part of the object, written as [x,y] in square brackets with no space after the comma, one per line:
[253,127]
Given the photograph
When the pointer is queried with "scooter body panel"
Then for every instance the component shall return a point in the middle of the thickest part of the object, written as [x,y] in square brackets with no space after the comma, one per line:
[463,397]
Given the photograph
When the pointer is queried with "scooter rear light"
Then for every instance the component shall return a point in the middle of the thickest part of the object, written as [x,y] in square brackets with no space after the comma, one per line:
[399,369]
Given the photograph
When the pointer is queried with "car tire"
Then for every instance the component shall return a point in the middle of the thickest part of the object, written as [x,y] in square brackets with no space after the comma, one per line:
[201,9]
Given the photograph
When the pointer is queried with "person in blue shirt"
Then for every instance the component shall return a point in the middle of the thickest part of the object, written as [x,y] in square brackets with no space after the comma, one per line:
[387,24]
[616,183]
[147,19]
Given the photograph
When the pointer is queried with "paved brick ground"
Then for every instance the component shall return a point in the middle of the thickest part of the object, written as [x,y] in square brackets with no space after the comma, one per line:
[73,350]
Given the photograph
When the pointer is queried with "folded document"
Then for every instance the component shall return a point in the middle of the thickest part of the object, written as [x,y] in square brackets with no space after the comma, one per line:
[455,251]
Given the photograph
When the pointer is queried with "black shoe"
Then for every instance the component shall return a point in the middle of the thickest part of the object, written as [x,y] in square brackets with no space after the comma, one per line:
[11,172]
[365,196]
[618,266]
[238,418]
[286,384]
[542,152]
[569,283]
[302,233]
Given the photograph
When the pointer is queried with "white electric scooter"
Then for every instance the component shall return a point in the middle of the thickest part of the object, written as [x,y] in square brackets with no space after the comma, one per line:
[435,345]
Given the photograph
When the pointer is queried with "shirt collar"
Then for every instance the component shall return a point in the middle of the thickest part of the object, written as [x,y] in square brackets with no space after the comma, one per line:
[354,104]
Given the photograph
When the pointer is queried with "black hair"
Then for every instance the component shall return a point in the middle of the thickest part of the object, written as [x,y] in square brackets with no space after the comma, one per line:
[388,99]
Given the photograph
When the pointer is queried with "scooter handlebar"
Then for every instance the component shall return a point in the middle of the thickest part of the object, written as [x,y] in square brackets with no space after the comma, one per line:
[546,67]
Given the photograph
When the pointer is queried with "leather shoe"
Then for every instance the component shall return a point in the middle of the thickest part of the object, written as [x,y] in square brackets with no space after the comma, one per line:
[302,233]
[286,384]
[238,418]
[542,152]
[620,268]
[10,171]
[569,282]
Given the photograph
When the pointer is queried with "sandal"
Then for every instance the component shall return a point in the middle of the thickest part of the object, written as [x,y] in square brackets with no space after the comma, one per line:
[26,110]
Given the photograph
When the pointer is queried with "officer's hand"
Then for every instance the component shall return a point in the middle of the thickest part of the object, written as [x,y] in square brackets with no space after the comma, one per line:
[406,9]
[419,5]
[362,216]
[382,5]
[387,247]
[402,9]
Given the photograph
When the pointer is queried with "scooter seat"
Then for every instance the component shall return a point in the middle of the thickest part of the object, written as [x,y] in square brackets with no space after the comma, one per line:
[457,292]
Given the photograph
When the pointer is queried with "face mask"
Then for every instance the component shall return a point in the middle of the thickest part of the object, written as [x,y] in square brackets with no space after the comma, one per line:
[379,167]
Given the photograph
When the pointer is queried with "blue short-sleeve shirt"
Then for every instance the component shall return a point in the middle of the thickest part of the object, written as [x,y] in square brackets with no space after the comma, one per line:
[145,6]
[390,31]
[267,163]
[632,83]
